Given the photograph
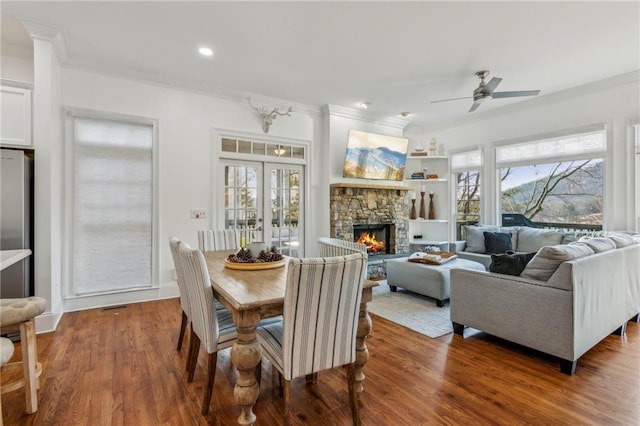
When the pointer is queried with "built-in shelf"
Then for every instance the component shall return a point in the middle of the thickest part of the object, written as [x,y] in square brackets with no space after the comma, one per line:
[426,180]
[425,157]
[429,220]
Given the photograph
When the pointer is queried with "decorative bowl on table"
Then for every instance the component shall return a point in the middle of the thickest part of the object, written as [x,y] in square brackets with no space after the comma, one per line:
[245,260]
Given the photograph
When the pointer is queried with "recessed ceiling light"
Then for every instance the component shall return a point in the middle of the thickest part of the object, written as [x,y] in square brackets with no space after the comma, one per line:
[405,113]
[205,51]
[365,105]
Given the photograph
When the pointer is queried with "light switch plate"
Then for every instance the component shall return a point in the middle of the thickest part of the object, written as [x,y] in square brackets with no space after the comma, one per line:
[198,214]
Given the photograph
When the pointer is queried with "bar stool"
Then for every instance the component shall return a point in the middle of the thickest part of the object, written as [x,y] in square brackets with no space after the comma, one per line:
[6,352]
[19,314]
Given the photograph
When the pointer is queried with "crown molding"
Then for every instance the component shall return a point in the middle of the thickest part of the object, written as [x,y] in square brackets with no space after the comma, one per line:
[48,32]
[339,111]
[231,95]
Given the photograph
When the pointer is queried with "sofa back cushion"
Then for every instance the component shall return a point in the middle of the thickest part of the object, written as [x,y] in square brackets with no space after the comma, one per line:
[621,240]
[599,244]
[497,242]
[475,237]
[532,239]
[548,258]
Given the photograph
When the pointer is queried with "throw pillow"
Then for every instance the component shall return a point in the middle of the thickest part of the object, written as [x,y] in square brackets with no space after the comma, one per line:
[497,242]
[475,237]
[510,263]
[548,259]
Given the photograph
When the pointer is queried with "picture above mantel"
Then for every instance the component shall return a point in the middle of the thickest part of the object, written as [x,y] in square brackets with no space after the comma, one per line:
[370,186]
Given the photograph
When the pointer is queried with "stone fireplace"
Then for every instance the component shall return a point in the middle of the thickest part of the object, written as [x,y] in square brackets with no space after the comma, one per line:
[361,207]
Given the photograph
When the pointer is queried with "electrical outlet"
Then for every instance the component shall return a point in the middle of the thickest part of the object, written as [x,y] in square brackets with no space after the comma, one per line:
[198,214]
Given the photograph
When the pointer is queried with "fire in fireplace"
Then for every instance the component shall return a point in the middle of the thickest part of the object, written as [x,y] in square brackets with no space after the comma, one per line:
[374,236]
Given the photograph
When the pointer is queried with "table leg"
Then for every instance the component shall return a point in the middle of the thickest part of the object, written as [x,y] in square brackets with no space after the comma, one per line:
[245,356]
[364,328]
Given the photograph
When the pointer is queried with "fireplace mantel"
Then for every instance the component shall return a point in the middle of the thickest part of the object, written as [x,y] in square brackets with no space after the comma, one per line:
[370,186]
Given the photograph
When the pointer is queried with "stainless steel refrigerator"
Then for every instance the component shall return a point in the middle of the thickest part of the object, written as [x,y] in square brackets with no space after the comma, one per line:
[16,221]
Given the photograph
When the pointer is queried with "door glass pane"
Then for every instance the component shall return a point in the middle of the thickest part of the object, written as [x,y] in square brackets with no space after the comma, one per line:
[285,210]
[241,200]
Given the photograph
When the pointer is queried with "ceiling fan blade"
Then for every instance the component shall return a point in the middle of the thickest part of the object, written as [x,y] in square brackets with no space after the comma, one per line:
[474,106]
[498,95]
[452,99]
[492,84]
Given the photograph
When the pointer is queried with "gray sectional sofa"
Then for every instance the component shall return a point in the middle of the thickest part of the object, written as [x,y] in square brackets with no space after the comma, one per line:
[523,239]
[567,299]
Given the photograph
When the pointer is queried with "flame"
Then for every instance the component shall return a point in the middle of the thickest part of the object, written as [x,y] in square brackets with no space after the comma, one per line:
[370,241]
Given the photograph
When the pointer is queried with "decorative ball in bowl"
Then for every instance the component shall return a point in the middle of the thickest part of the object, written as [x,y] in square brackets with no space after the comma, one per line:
[264,256]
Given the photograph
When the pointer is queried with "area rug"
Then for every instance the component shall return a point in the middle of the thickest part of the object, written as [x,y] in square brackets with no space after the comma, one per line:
[414,311]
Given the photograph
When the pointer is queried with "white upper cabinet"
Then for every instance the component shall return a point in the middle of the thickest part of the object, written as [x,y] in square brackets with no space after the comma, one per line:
[15,111]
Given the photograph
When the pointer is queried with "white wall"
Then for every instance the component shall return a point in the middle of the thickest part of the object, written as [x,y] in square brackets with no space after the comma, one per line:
[16,65]
[187,122]
[615,103]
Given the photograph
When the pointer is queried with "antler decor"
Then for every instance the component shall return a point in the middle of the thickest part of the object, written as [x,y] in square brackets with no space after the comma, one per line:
[268,116]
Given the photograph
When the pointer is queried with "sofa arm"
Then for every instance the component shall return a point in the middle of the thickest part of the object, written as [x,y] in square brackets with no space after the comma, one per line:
[457,246]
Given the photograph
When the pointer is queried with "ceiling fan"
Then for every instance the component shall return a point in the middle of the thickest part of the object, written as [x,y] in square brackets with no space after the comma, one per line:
[485,92]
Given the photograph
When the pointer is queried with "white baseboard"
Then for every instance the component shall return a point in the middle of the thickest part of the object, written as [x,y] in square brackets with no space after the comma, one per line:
[112,299]
[47,322]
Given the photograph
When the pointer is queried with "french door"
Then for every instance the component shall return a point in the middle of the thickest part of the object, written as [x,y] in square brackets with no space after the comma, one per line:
[265,202]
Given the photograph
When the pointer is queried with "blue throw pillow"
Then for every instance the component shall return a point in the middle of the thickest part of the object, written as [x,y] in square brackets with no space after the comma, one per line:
[497,242]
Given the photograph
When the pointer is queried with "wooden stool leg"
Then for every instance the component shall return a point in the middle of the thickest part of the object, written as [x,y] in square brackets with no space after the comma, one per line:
[29,360]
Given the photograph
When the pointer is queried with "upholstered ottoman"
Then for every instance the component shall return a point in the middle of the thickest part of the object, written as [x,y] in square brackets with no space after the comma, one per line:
[428,280]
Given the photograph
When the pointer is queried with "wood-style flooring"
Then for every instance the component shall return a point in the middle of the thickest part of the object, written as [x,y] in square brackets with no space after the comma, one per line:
[121,367]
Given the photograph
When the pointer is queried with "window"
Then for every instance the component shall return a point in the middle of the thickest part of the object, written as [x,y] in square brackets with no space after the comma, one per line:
[112,191]
[466,169]
[554,182]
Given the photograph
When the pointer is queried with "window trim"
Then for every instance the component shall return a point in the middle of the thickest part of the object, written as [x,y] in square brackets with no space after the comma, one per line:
[69,115]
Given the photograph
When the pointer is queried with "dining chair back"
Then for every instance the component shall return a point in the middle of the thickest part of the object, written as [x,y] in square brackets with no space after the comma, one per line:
[319,327]
[182,291]
[218,239]
[209,326]
[335,247]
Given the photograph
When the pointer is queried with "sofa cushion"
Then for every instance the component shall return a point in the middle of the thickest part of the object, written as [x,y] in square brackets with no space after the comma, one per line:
[475,237]
[621,240]
[599,244]
[510,263]
[532,239]
[497,242]
[548,258]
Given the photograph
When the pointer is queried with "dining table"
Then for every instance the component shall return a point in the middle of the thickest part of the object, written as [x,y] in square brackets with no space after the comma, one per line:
[251,295]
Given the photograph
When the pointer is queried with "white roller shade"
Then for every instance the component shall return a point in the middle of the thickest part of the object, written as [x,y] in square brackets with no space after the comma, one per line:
[553,149]
[112,205]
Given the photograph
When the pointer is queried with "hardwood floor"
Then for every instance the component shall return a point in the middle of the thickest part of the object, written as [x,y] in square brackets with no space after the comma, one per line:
[120,367]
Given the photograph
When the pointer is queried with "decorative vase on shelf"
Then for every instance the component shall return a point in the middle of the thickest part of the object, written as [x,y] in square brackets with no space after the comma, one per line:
[422,206]
[433,147]
[413,209]
[431,212]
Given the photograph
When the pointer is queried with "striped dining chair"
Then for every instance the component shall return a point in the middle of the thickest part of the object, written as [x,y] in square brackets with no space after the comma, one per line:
[215,329]
[218,239]
[319,325]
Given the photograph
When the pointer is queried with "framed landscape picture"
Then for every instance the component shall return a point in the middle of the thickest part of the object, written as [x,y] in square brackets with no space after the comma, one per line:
[373,156]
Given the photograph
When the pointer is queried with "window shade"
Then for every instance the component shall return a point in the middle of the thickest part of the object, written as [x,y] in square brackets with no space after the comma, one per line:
[466,160]
[112,205]
[569,146]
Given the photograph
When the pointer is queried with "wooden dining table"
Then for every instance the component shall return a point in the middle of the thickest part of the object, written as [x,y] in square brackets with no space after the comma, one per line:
[251,295]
